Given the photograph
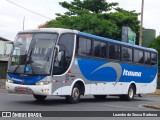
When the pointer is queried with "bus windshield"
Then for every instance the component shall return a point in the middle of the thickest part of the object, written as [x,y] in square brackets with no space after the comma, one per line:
[32,53]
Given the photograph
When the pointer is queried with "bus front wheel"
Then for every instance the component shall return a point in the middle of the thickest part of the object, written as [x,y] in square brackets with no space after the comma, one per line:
[40,97]
[75,95]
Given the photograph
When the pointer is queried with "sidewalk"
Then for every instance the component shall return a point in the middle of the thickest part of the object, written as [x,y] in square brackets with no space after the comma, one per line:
[3,90]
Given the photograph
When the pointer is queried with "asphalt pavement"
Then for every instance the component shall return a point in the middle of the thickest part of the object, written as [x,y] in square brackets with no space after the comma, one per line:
[20,102]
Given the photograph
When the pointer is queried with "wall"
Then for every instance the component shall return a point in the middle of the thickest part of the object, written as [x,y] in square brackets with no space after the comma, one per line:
[5,48]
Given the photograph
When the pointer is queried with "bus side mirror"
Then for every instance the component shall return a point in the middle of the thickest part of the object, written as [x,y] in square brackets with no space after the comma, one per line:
[59,55]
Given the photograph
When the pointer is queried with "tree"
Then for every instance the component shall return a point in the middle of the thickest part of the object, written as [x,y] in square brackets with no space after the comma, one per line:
[156,45]
[95,17]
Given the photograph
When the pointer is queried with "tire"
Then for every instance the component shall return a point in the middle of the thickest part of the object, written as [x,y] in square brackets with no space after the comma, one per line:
[130,95]
[40,97]
[75,95]
[100,97]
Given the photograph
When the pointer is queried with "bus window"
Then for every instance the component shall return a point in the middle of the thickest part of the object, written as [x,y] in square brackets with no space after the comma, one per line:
[127,54]
[114,52]
[99,49]
[153,59]
[103,50]
[147,58]
[84,47]
[138,56]
[66,44]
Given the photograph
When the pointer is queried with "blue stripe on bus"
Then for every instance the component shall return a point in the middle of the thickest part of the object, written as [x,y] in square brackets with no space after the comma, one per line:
[26,80]
[96,70]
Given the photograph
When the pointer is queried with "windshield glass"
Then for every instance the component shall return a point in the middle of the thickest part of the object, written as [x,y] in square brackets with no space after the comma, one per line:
[32,53]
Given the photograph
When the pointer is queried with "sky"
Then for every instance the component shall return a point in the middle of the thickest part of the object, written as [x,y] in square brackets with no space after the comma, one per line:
[12,16]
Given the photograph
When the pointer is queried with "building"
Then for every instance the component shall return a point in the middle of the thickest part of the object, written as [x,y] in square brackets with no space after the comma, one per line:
[148,36]
[5,49]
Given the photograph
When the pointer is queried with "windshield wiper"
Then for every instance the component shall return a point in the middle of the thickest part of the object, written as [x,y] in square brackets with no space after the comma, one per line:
[29,60]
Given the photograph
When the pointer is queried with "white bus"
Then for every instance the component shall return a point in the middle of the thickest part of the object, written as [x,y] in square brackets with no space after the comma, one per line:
[69,63]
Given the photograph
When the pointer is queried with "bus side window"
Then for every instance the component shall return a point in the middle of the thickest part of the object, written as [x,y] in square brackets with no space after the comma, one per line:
[99,49]
[153,59]
[138,56]
[147,58]
[103,50]
[114,52]
[66,44]
[127,54]
[84,47]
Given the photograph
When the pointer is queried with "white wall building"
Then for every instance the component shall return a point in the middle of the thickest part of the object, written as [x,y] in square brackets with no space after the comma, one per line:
[5,49]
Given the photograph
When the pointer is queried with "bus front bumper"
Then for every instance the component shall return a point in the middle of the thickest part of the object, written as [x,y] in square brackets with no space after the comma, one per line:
[29,89]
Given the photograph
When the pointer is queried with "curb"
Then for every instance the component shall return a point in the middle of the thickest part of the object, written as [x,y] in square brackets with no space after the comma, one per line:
[153,106]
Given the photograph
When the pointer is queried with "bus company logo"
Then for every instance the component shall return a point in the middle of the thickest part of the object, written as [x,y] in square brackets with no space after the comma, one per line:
[131,73]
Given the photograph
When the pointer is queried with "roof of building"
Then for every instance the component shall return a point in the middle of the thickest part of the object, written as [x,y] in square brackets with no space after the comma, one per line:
[4,39]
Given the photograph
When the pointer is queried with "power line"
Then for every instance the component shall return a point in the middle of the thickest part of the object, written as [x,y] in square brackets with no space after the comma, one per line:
[28,10]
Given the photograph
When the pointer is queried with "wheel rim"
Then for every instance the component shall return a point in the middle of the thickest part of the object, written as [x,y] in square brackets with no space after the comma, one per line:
[131,93]
[75,93]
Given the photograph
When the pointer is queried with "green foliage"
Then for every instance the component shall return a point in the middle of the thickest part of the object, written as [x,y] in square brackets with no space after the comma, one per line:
[95,17]
[156,45]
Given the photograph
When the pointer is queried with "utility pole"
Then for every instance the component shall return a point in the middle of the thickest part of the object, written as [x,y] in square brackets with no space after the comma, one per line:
[23,22]
[141,26]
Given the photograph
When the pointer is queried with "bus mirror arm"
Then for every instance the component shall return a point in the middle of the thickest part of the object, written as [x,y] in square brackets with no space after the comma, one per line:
[57,48]
[58,53]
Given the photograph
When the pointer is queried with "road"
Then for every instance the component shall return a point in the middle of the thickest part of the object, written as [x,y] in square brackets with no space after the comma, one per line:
[14,102]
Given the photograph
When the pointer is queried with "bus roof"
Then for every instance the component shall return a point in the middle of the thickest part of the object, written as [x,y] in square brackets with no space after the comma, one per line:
[62,30]
[58,30]
[115,41]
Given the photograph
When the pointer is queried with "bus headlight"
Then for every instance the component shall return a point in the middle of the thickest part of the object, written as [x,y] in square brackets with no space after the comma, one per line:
[43,83]
[10,81]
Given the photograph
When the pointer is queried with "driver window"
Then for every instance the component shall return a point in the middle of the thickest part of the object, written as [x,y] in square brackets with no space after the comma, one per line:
[64,57]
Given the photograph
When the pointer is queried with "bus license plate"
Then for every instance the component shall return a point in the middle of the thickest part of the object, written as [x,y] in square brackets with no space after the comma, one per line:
[23,90]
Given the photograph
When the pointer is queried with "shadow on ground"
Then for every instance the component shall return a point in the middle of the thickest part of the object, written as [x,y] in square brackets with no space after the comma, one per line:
[62,101]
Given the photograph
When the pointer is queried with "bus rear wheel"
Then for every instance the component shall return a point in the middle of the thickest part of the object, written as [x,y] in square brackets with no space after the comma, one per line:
[100,97]
[130,95]
[75,95]
[40,97]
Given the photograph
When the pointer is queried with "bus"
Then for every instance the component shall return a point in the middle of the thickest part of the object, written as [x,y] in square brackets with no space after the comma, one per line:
[69,63]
